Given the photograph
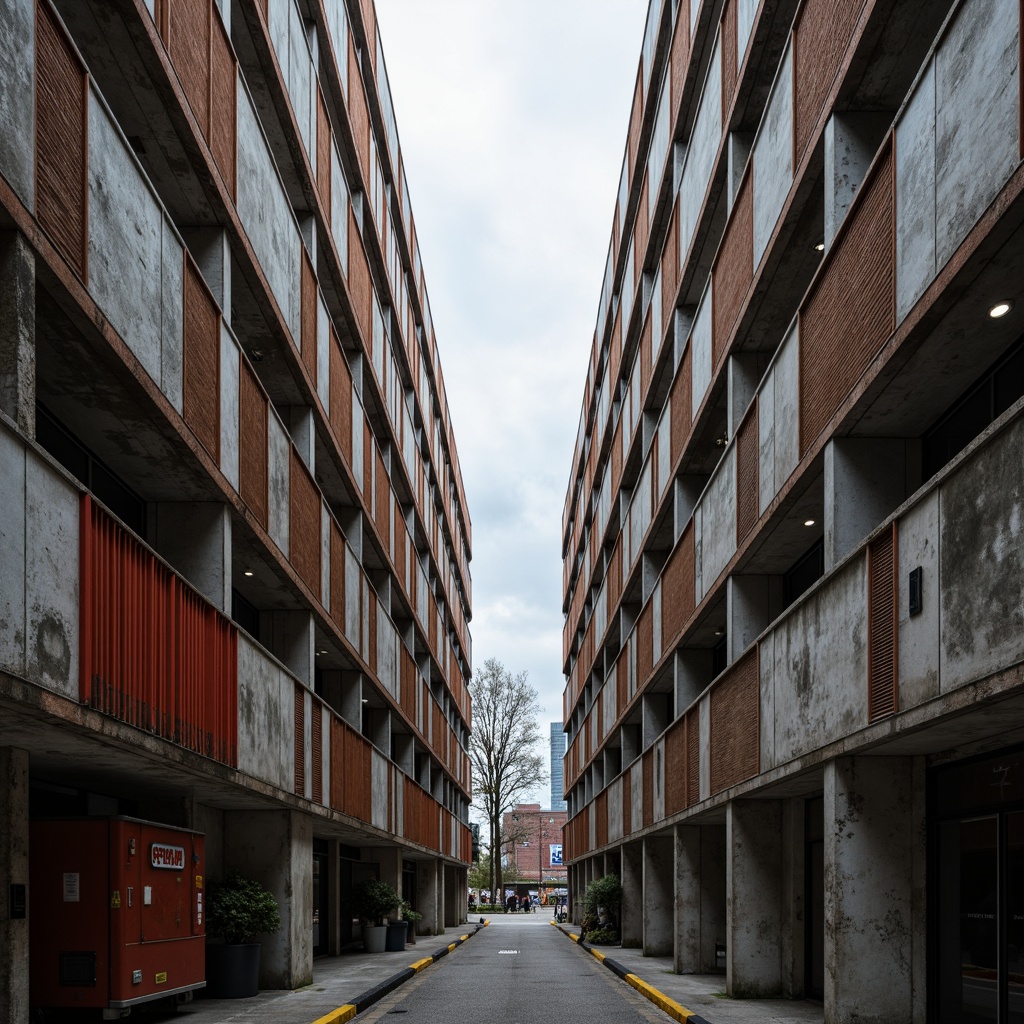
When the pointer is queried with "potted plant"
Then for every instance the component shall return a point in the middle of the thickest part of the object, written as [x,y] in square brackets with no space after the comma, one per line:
[373,900]
[412,916]
[601,903]
[237,910]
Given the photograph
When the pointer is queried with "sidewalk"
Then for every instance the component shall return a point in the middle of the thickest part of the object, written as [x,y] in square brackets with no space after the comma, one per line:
[701,994]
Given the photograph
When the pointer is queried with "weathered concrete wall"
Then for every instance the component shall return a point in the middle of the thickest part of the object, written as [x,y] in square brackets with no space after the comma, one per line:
[851,141]
[631,926]
[746,13]
[773,157]
[700,352]
[716,527]
[18,331]
[229,371]
[339,205]
[195,537]
[700,901]
[428,897]
[17,97]
[919,634]
[659,899]
[778,405]
[266,717]
[615,810]
[379,789]
[278,488]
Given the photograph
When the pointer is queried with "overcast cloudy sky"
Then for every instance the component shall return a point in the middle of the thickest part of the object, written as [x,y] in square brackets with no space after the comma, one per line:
[512,119]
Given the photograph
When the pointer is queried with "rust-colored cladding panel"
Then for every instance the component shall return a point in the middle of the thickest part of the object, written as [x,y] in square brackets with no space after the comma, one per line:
[382,503]
[341,398]
[616,457]
[317,737]
[645,358]
[601,822]
[370,24]
[850,313]
[308,317]
[682,407]
[677,588]
[734,269]
[371,612]
[252,442]
[635,119]
[645,644]
[675,767]
[358,112]
[692,757]
[188,45]
[61,140]
[647,770]
[615,574]
[369,462]
[747,474]
[323,151]
[821,34]
[882,626]
[201,361]
[615,349]
[640,232]
[735,730]
[670,271]
[304,524]
[622,680]
[223,93]
[680,54]
[337,576]
[300,741]
[730,58]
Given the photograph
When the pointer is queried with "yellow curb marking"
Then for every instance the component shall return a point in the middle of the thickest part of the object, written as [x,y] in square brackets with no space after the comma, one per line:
[451,946]
[462,938]
[599,956]
[574,937]
[662,1001]
[418,966]
[338,1016]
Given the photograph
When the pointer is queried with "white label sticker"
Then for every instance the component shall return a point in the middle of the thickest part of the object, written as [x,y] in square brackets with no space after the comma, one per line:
[71,887]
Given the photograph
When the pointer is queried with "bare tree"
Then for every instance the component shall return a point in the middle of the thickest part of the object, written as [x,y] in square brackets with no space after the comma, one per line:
[502,749]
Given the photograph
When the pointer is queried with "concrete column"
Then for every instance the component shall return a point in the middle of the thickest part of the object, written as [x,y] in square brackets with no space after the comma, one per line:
[744,374]
[754,899]
[631,927]
[794,981]
[429,890]
[454,897]
[14,854]
[692,668]
[851,140]
[334,897]
[209,247]
[290,637]
[302,431]
[659,898]
[656,712]
[276,848]
[18,331]
[865,479]
[700,901]
[404,749]
[874,902]
[751,602]
[195,537]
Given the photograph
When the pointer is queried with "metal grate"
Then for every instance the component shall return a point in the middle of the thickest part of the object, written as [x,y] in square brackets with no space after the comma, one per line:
[78,969]
[882,626]
[300,740]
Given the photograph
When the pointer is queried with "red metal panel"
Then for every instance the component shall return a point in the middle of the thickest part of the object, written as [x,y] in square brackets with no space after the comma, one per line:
[61,139]
[252,438]
[747,474]
[734,269]
[735,731]
[308,317]
[154,654]
[300,740]
[304,522]
[851,311]
[223,89]
[883,626]
[201,369]
[317,737]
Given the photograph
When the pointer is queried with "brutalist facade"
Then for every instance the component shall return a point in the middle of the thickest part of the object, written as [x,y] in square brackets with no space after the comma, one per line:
[234,542]
[793,541]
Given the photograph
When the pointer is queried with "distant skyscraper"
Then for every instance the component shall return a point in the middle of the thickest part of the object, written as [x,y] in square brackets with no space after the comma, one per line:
[557,780]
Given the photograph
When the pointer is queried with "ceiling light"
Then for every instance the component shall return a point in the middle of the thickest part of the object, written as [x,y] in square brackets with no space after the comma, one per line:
[248,572]
[719,632]
[820,247]
[1000,309]
[808,522]
[366,700]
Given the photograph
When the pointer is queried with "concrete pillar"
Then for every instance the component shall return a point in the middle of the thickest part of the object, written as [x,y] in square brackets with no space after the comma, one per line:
[851,140]
[404,751]
[659,897]
[700,902]
[276,848]
[865,479]
[18,331]
[429,891]
[692,668]
[794,937]
[195,537]
[753,899]
[631,928]
[14,854]
[454,897]
[334,900]
[290,637]
[875,937]
[744,374]
[751,602]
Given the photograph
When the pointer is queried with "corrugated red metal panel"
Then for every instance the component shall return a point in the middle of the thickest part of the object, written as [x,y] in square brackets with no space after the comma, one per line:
[223,87]
[883,626]
[323,151]
[341,398]
[252,438]
[680,53]
[851,311]
[734,269]
[358,113]
[677,588]
[682,407]
[300,740]
[821,34]
[153,653]
[201,369]
[61,140]
[692,757]
[337,576]
[647,770]
[747,474]
[308,317]
[304,521]
[735,732]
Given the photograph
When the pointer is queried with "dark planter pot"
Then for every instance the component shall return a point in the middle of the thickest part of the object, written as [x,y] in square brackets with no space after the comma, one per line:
[395,942]
[233,972]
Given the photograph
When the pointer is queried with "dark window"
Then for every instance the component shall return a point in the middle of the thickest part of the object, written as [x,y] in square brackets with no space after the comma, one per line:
[804,572]
[718,657]
[246,614]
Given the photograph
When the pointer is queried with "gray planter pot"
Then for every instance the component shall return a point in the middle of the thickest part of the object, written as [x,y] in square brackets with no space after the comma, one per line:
[396,936]
[375,938]
[233,972]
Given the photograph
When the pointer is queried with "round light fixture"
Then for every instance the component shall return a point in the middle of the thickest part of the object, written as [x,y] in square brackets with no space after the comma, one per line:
[248,572]
[1000,309]
[808,522]
[820,247]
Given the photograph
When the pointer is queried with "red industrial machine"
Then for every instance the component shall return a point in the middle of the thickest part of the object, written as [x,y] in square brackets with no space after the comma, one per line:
[117,913]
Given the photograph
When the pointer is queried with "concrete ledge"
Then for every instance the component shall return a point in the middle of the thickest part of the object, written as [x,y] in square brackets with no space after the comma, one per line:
[662,1001]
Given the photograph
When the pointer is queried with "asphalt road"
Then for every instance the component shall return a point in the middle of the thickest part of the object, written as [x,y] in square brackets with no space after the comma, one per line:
[519,970]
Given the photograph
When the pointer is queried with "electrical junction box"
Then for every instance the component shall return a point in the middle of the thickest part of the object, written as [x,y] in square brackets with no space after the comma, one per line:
[116,913]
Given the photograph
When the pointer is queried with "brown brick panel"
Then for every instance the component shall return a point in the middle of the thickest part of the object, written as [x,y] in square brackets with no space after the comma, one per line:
[645,644]
[734,269]
[323,150]
[601,819]
[675,767]
[615,574]
[201,370]
[677,587]
[61,140]
[627,804]
[300,740]
[635,120]
[730,58]
[615,349]
[616,457]
[647,770]
[370,25]
[622,679]
[341,398]
[645,357]
[640,232]
[223,89]
[670,271]
[883,635]
[359,284]
[680,55]
[692,757]
[850,313]
[821,34]
[747,466]
[681,401]
[735,737]
[252,442]
[308,317]
[368,464]
[188,24]
[304,524]
[382,502]
[317,737]
[358,113]
[337,576]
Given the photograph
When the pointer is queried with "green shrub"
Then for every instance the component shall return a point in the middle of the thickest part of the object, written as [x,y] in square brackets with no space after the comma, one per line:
[602,936]
[239,908]
[373,900]
[603,892]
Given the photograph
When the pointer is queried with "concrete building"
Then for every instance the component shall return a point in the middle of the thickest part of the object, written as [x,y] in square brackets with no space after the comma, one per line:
[533,846]
[793,552]
[557,766]
[234,543]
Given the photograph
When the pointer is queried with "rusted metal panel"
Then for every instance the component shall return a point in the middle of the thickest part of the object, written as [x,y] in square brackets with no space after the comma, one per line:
[154,653]
[308,317]
[747,474]
[735,732]
[304,523]
[883,625]
[61,140]
[851,311]
[734,269]
[252,441]
[201,361]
